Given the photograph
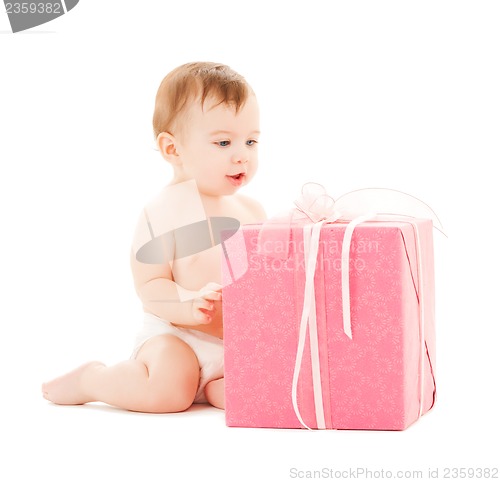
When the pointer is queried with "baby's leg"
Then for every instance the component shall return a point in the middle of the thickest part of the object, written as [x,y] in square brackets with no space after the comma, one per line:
[163,378]
[214,391]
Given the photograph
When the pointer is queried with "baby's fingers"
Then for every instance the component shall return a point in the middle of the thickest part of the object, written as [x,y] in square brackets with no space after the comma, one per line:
[202,317]
[212,295]
[212,291]
[202,310]
[203,303]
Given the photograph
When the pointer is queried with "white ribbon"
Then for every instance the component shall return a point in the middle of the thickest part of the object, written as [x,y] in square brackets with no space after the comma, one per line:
[346,292]
[308,318]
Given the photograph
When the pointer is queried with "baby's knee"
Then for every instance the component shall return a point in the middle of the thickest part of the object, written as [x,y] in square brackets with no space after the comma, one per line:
[169,401]
[173,374]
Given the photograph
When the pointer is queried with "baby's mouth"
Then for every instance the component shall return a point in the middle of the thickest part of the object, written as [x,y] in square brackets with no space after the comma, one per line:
[236,179]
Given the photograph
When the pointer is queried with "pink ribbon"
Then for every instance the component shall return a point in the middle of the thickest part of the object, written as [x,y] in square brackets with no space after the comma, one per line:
[313,209]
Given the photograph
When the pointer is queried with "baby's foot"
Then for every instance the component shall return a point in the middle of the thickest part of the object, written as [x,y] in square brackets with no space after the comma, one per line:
[67,389]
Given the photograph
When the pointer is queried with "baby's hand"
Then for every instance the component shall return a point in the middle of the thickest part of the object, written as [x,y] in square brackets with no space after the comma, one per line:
[203,304]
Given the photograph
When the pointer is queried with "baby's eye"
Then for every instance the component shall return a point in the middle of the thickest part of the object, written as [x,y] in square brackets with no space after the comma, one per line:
[223,143]
[251,142]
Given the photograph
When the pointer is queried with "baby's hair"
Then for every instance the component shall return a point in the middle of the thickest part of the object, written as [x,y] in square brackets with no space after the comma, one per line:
[193,80]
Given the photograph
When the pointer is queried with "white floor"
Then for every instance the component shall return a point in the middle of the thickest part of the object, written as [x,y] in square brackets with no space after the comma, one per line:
[96,443]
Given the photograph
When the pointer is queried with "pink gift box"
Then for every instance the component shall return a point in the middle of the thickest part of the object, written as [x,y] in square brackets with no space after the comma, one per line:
[381,379]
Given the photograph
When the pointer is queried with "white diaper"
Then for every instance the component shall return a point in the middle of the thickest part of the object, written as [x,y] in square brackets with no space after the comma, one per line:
[207,348]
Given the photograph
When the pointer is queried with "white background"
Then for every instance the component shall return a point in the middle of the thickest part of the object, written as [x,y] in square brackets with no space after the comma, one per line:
[354,94]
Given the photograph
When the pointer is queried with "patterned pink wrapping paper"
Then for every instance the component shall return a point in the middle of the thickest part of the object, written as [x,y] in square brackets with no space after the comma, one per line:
[369,382]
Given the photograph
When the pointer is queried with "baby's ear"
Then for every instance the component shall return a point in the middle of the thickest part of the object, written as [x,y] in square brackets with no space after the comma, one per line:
[166,144]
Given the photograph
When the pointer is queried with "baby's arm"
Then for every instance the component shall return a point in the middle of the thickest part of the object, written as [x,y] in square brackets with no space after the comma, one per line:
[161,296]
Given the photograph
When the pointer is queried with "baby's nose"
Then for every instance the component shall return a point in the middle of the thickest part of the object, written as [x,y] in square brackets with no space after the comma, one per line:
[239,158]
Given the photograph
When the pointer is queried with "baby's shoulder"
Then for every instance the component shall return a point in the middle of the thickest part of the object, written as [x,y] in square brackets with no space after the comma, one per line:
[254,211]
[183,194]
[173,207]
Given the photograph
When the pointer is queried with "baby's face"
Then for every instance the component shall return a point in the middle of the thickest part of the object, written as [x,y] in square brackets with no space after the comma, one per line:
[218,148]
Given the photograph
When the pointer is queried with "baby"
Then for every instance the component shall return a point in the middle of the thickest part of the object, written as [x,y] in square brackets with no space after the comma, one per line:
[206,124]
